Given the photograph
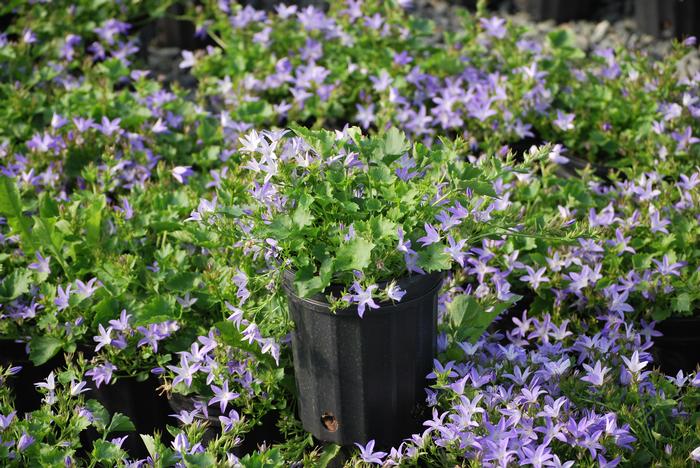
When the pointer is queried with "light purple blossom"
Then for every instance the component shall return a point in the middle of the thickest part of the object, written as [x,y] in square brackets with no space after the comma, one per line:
[368,455]
[564,121]
[182,173]
[595,375]
[101,373]
[42,264]
[362,297]
[431,236]
[222,395]
[394,292]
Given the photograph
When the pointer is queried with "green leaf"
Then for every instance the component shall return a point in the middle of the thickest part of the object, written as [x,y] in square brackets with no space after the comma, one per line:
[328,455]
[469,318]
[354,255]
[302,216]
[99,413]
[120,423]
[481,188]
[157,309]
[106,451]
[10,202]
[202,459]
[93,221]
[43,348]
[434,258]
[394,143]
[183,281]
[11,208]
[49,237]
[280,228]
[681,303]
[15,284]
[307,284]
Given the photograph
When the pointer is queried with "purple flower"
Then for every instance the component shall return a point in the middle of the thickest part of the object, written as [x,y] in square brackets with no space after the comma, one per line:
[657,224]
[538,457]
[404,245]
[76,388]
[62,297]
[564,121]
[494,26]
[535,278]
[125,208]
[618,302]
[82,125]
[109,127]
[205,206]
[431,236]
[394,292]
[595,375]
[365,115]
[24,441]
[153,334]
[228,422]
[86,289]
[633,364]
[186,417]
[665,268]
[101,373]
[187,301]
[181,173]
[368,455]
[5,421]
[185,372]
[381,82]
[41,265]
[104,338]
[363,298]
[188,59]
[455,250]
[181,443]
[222,395]
[49,384]
[621,241]
[695,454]
[122,324]
[685,139]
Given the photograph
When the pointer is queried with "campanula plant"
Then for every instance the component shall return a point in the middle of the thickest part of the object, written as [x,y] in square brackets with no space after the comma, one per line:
[341,208]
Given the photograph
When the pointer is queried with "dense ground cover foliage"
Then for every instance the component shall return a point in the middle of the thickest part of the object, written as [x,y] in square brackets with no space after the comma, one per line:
[146,228]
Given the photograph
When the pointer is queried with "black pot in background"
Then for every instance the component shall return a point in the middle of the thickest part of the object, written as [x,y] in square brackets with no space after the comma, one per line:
[141,402]
[557,10]
[27,398]
[266,432]
[679,347]
[362,379]
[668,18]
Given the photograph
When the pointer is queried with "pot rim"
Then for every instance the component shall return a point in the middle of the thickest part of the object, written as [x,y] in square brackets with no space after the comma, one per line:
[322,307]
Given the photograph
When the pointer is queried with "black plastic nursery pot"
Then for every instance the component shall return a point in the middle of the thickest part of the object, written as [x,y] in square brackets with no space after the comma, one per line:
[362,379]
[679,346]
[141,402]
[265,433]
[26,396]
[556,10]
[668,18]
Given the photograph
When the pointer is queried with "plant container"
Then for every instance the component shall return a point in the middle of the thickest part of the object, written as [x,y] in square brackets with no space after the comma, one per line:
[266,432]
[679,346]
[141,402]
[14,353]
[559,11]
[668,18]
[362,379]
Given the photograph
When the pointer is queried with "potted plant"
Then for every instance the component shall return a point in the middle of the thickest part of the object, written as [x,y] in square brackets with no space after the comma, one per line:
[357,233]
